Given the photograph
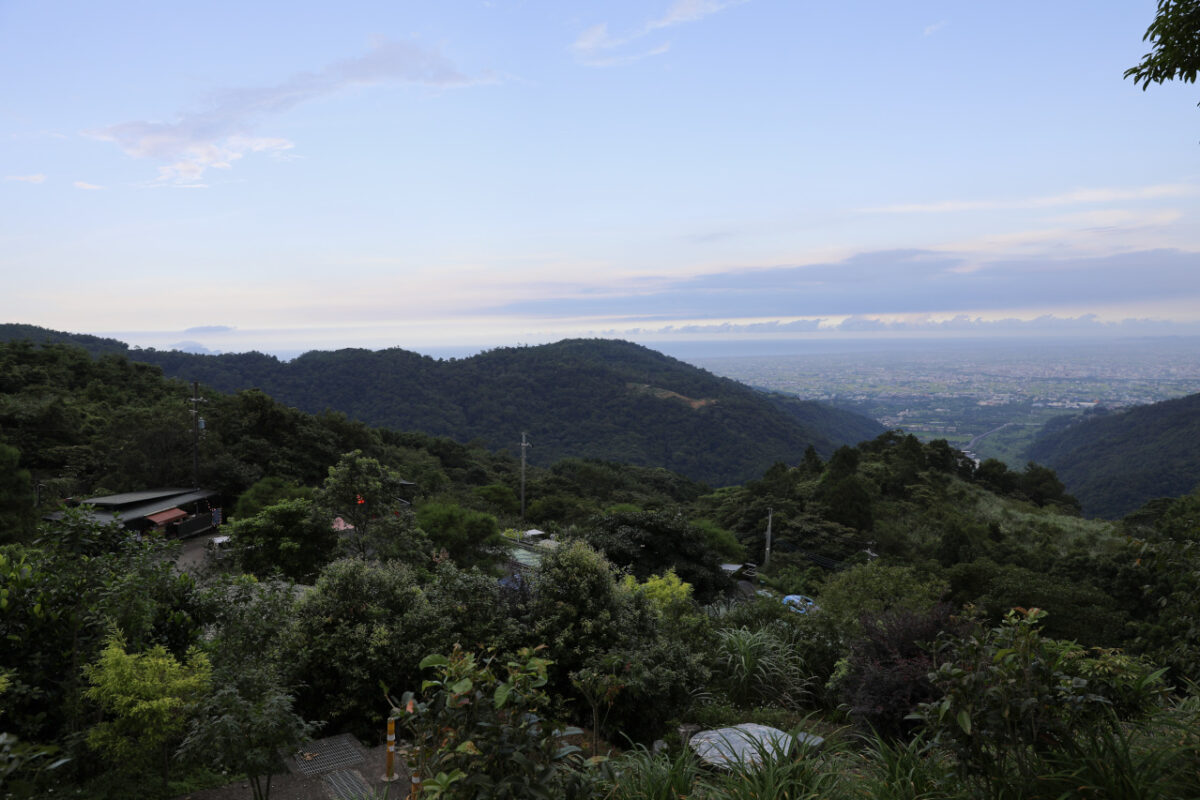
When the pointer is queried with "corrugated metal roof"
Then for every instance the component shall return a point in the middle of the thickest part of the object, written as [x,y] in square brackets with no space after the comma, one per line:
[136,505]
[163,503]
[135,497]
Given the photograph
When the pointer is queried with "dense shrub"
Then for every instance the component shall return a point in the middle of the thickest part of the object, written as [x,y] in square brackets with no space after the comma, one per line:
[887,672]
[362,624]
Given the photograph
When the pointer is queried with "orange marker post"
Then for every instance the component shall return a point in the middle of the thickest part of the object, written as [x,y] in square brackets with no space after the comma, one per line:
[389,773]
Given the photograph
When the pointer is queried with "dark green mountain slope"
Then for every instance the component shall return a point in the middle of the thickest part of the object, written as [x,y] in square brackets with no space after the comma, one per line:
[1114,464]
[601,399]
[96,345]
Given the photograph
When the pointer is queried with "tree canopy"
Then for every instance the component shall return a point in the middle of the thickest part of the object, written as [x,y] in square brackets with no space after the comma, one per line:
[1175,37]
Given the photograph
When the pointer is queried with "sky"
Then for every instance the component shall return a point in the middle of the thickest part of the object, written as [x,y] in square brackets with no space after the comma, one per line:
[281,177]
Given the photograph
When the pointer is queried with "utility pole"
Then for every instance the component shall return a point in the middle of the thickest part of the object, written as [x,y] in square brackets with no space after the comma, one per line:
[524,446]
[767,557]
[197,426]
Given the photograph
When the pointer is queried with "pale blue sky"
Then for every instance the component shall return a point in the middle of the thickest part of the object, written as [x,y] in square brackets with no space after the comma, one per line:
[286,176]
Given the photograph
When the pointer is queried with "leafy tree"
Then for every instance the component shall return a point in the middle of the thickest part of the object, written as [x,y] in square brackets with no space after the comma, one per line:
[995,475]
[847,502]
[370,498]
[16,497]
[1010,698]
[579,608]
[1170,561]
[483,731]
[471,608]
[247,717]
[288,538]
[650,543]
[842,464]
[1042,486]
[721,541]
[248,624]
[812,462]
[666,592]
[243,727]
[587,617]
[22,764]
[267,492]
[867,592]
[361,624]
[470,538]
[57,602]
[499,496]
[149,698]
[1175,37]
[1077,609]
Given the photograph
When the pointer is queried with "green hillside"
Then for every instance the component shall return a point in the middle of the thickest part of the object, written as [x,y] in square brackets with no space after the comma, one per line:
[1115,463]
[601,399]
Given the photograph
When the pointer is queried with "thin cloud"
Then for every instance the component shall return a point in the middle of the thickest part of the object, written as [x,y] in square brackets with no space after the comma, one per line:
[690,11]
[595,46]
[622,60]
[88,186]
[1077,197]
[223,133]
[38,178]
[893,283]
[930,30]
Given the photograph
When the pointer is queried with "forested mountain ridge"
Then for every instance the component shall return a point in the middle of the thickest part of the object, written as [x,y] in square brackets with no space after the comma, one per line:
[603,399]
[1115,463]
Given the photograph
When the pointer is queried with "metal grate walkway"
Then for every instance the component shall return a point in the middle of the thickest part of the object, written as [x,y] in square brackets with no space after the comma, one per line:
[347,784]
[326,755]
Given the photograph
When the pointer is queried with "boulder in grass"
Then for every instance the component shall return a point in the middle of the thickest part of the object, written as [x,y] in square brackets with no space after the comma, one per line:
[746,744]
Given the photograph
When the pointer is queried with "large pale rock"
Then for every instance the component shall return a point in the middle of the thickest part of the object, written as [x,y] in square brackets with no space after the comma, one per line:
[746,744]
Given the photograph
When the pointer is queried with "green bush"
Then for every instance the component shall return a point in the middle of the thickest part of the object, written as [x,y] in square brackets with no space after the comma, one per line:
[362,624]
[482,731]
[1009,702]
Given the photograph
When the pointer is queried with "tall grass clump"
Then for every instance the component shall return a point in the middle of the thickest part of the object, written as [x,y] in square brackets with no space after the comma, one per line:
[642,775]
[909,770]
[760,666]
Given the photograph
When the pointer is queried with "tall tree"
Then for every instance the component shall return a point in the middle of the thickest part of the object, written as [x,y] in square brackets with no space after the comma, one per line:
[1175,38]
[148,698]
[16,497]
[370,498]
[288,537]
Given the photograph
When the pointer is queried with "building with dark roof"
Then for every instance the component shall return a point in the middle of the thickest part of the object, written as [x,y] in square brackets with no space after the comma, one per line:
[172,512]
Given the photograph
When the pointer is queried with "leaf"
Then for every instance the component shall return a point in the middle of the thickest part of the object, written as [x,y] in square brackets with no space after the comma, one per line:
[502,693]
[462,687]
[433,660]
[964,722]
[566,750]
